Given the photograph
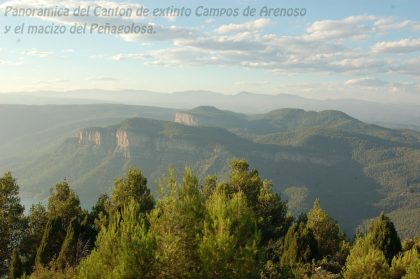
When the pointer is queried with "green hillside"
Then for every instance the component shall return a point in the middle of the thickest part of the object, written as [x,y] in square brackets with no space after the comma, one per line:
[346,163]
[28,131]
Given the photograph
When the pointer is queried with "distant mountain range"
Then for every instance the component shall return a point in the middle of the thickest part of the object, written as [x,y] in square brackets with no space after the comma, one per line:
[389,115]
[356,169]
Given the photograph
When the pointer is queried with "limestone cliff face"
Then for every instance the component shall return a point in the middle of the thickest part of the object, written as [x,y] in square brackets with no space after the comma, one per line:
[122,139]
[186,119]
[90,137]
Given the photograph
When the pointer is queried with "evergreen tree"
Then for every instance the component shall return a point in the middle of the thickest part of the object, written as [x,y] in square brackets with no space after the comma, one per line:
[132,186]
[99,215]
[299,245]
[51,242]
[11,220]
[269,210]
[64,203]
[246,181]
[402,262]
[325,229]
[229,248]
[271,214]
[177,223]
[413,272]
[209,185]
[67,256]
[37,220]
[125,249]
[366,261]
[16,268]
[383,235]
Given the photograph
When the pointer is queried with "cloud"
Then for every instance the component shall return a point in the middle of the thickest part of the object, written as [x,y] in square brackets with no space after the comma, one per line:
[401,46]
[38,53]
[385,24]
[324,47]
[294,54]
[53,81]
[353,27]
[407,67]
[367,81]
[127,56]
[249,26]
[100,78]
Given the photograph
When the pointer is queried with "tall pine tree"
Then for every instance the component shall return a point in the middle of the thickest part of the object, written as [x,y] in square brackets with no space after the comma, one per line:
[11,220]
[383,235]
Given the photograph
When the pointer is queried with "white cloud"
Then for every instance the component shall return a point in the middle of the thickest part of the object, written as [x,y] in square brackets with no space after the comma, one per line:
[53,81]
[37,53]
[407,67]
[127,56]
[249,26]
[401,46]
[385,24]
[353,27]
[101,78]
[366,81]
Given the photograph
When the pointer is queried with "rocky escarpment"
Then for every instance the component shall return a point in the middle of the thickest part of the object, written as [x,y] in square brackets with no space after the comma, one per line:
[186,119]
[119,138]
[123,141]
[89,136]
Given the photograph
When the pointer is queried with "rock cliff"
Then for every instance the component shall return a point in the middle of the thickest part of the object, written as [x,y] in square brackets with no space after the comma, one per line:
[186,119]
[88,136]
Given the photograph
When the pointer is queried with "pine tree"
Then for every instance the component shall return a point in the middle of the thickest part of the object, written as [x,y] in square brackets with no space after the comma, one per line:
[246,181]
[383,235]
[67,255]
[271,214]
[99,215]
[52,240]
[326,230]
[177,224]
[209,185]
[12,220]
[269,210]
[36,221]
[402,262]
[16,268]
[366,261]
[132,186]
[125,249]
[413,272]
[64,203]
[229,248]
[299,245]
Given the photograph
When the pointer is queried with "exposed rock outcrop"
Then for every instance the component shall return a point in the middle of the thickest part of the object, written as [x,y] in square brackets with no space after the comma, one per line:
[122,139]
[90,137]
[186,119]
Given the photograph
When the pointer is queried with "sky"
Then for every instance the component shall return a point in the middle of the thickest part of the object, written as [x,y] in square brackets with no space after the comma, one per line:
[338,50]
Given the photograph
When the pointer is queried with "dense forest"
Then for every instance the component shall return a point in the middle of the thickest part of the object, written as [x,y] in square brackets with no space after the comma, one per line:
[238,228]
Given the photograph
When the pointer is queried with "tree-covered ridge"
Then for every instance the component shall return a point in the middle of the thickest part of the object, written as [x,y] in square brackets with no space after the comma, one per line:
[308,155]
[211,229]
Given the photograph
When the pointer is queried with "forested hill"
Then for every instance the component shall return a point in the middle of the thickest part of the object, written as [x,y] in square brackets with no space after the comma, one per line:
[328,154]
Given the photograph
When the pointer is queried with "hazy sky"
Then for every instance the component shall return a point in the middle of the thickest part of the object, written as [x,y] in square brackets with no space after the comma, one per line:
[356,49]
